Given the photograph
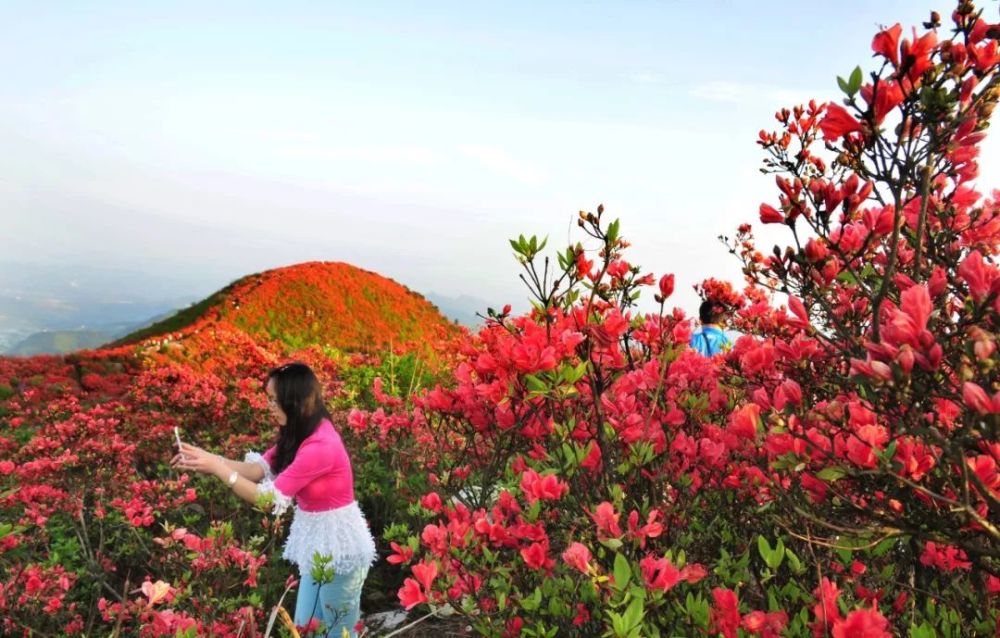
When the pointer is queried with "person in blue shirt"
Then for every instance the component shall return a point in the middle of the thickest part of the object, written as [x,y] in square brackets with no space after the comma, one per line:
[710,338]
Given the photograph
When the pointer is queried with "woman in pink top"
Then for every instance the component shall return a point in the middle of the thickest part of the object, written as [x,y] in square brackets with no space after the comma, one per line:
[308,465]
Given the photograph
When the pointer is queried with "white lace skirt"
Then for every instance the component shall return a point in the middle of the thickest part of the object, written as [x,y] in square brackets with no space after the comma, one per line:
[341,533]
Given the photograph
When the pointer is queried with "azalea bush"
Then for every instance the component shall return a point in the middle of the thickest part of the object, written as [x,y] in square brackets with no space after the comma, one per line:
[588,464]
[594,476]
[881,396]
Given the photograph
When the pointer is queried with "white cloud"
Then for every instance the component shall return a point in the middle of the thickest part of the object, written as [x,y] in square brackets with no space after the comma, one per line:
[418,155]
[499,161]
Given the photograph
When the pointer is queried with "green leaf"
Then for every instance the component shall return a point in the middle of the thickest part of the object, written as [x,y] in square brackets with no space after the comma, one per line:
[831,474]
[794,563]
[855,80]
[613,231]
[844,86]
[532,603]
[922,631]
[535,384]
[633,615]
[889,452]
[617,623]
[778,556]
[764,548]
[623,572]
[612,543]
[847,277]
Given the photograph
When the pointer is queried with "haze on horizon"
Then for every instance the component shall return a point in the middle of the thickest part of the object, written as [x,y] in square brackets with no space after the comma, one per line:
[199,144]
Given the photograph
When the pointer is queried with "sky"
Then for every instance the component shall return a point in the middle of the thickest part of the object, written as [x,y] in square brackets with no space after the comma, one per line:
[198,144]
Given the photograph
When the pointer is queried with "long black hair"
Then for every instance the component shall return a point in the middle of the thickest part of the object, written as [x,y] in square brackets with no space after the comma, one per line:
[300,397]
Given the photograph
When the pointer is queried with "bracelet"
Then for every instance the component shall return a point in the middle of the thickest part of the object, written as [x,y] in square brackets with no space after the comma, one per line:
[232,478]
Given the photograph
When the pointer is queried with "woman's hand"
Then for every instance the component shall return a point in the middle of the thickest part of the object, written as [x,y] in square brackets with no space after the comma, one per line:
[196,459]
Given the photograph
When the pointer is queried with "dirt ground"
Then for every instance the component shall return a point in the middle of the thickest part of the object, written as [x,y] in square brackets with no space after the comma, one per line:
[431,628]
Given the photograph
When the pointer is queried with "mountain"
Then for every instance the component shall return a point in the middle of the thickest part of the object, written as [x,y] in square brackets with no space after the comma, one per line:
[59,342]
[331,304]
[39,299]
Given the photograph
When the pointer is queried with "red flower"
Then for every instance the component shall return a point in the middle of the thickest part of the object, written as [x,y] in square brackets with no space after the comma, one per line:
[744,422]
[838,123]
[693,573]
[944,557]
[754,621]
[425,573]
[883,98]
[977,275]
[886,43]
[771,215]
[915,58]
[593,459]
[861,445]
[666,286]
[976,398]
[826,609]
[862,623]
[410,594]
[767,625]
[725,612]
[546,488]
[402,554]
[816,250]
[536,556]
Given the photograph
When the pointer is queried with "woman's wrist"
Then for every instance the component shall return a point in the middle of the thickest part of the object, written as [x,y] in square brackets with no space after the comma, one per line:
[221,468]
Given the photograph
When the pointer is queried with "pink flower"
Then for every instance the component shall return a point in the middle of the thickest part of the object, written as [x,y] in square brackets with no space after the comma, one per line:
[155,592]
[578,557]
[401,555]
[659,573]
[607,521]
[432,502]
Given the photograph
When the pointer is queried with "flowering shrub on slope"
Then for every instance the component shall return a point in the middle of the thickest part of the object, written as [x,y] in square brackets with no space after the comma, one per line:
[594,477]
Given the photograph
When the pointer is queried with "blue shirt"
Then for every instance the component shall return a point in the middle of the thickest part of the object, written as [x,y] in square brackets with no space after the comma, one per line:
[710,340]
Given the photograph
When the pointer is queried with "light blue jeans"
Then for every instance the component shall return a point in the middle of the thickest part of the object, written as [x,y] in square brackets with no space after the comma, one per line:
[336,604]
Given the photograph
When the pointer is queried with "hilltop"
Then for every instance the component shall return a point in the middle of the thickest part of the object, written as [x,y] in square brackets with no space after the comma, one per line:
[329,304]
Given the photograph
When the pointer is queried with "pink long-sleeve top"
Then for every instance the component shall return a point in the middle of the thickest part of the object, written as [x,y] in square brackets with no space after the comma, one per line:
[327,520]
[319,478]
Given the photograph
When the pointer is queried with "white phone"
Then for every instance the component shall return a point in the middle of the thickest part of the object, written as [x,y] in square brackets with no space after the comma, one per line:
[177,435]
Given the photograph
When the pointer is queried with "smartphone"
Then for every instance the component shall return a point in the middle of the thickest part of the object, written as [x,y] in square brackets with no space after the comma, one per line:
[177,435]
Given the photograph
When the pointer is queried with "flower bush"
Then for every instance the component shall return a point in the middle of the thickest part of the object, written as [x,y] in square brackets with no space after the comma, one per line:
[594,476]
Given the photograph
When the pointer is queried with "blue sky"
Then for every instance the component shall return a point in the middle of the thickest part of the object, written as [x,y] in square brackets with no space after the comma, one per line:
[199,144]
